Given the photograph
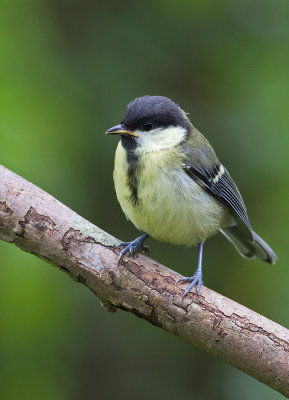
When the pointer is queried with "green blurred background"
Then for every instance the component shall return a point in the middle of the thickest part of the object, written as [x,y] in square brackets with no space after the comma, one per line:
[67,71]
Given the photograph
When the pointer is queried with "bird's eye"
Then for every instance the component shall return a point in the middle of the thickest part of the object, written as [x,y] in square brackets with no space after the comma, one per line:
[147,126]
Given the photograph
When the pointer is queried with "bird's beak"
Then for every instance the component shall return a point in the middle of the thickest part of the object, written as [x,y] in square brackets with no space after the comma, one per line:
[120,130]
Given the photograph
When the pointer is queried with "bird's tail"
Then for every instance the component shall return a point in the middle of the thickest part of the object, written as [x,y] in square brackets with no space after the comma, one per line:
[247,249]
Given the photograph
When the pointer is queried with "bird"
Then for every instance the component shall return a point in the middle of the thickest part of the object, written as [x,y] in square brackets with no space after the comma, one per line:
[171,185]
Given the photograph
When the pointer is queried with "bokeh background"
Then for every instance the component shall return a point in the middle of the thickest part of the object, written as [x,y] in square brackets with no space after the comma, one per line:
[67,71]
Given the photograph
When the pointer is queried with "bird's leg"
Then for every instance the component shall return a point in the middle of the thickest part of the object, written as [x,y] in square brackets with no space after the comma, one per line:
[197,278]
[133,247]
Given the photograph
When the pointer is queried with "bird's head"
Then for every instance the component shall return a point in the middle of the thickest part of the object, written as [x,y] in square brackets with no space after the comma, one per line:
[151,123]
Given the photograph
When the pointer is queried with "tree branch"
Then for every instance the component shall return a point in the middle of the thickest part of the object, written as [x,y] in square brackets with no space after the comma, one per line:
[39,224]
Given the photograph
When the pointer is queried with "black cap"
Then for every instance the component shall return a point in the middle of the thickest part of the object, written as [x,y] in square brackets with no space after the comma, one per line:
[159,111]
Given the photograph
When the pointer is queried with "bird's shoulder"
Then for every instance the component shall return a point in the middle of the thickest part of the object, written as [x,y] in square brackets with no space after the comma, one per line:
[198,150]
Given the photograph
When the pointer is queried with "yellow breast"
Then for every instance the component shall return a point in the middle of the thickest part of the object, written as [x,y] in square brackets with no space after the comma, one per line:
[170,206]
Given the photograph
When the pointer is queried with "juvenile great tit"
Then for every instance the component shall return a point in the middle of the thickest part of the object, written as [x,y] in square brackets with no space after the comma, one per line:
[172,187]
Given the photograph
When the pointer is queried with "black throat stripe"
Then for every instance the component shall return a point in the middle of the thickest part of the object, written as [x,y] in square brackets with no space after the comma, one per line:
[129,144]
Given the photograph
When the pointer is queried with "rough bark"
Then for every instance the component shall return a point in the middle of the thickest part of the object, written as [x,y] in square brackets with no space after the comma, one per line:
[36,222]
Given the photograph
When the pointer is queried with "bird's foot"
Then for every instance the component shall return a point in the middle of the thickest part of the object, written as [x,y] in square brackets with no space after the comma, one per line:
[196,280]
[133,247]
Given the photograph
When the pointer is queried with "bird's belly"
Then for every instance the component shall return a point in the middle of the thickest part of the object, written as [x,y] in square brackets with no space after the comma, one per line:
[171,207]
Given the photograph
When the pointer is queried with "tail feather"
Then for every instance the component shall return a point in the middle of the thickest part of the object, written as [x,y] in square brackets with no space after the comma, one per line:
[249,250]
[263,250]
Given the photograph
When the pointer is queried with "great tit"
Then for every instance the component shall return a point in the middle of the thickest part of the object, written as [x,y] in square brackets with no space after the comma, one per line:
[172,187]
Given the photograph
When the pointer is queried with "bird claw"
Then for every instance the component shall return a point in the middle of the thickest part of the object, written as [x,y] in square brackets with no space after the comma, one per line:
[123,244]
[196,280]
[132,247]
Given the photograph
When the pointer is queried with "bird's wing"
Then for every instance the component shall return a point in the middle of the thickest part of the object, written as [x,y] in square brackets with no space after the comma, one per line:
[202,164]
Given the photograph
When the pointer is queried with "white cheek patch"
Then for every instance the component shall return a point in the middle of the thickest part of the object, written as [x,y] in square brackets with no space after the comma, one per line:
[158,139]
